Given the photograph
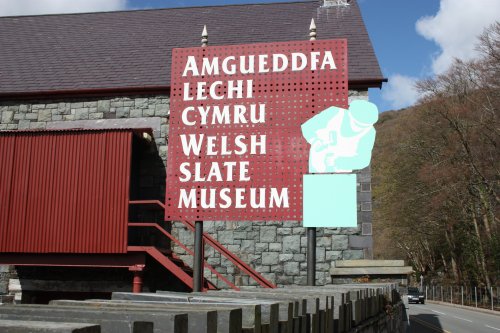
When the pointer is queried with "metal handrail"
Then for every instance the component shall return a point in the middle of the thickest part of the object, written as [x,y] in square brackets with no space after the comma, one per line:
[234,259]
[220,248]
[185,248]
[147,202]
[165,262]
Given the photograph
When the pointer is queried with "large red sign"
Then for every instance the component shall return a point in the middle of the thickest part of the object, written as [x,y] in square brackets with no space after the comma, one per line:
[235,148]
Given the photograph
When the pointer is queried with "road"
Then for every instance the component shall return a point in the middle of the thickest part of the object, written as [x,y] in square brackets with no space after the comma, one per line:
[432,318]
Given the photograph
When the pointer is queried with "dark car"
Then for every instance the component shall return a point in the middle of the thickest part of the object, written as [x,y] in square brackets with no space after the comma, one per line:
[414,295]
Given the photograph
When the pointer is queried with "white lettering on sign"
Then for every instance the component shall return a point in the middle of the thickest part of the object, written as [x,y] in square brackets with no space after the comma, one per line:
[235,89]
[256,198]
[216,115]
[218,172]
[265,63]
[206,107]
[192,144]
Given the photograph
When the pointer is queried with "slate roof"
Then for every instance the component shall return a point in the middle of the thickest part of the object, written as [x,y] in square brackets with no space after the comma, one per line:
[130,50]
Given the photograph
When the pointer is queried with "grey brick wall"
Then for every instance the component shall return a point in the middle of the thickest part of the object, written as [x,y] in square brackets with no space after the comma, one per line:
[5,275]
[26,115]
[276,249]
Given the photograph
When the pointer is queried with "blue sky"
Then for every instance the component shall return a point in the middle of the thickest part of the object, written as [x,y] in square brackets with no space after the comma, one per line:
[398,46]
[412,39]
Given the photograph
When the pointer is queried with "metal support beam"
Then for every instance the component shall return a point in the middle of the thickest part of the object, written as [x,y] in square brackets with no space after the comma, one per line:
[129,259]
[311,256]
[198,257]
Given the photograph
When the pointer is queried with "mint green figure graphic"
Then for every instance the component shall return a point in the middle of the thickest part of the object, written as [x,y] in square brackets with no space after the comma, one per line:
[341,141]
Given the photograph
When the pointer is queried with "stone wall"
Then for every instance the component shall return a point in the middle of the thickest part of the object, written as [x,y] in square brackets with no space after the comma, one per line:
[43,114]
[5,275]
[277,249]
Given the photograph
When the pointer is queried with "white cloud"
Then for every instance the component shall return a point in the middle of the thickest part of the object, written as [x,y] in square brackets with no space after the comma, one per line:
[400,91]
[36,7]
[455,28]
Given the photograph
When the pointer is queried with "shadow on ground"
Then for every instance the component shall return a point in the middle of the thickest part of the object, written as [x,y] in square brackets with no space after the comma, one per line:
[424,323]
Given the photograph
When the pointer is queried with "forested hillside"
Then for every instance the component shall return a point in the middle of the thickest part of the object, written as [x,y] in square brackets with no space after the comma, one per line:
[436,174]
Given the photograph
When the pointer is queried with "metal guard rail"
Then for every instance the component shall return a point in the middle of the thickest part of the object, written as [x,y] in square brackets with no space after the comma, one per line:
[218,247]
[185,248]
[233,258]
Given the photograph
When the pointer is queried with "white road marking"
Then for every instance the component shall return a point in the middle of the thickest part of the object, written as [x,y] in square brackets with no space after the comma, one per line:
[470,321]
[441,313]
[498,329]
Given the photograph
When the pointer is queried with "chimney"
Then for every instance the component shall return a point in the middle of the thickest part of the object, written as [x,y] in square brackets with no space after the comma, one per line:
[336,3]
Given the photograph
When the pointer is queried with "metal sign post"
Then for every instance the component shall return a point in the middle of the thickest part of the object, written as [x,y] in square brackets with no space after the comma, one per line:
[198,257]
[198,231]
[311,231]
[311,256]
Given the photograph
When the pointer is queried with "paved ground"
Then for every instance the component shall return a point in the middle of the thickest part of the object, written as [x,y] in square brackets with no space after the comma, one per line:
[432,318]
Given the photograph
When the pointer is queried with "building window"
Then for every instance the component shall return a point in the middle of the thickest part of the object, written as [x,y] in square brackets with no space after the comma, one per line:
[366,206]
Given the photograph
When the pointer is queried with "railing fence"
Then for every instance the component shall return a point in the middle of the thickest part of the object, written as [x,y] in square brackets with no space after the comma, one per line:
[467,295]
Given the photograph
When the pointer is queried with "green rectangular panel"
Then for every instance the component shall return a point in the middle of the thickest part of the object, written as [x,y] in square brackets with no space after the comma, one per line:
[330,200]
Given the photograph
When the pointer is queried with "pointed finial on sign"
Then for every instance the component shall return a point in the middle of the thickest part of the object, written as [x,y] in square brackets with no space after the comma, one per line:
[312,30]
[204,37]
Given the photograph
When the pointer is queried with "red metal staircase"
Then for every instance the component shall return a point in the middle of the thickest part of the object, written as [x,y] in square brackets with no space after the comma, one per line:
[176,266]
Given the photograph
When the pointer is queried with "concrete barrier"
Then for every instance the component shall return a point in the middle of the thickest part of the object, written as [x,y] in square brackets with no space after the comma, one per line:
[351,304]
[322,319]
[288,308]
[269,308]
[16,326]
[255,316]
[228,319]
[303,308]
[334,308]
[112,321]
[106,326]
[332,301]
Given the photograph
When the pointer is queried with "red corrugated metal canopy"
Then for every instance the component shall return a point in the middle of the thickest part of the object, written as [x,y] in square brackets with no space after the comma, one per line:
[64,191]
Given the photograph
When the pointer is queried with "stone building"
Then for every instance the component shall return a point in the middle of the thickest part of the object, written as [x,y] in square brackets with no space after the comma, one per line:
[112,70]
